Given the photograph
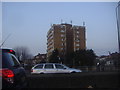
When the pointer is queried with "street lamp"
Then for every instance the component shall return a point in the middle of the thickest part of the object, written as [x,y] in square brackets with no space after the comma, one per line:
[118,23]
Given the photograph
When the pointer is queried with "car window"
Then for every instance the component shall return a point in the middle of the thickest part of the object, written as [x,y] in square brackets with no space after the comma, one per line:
[39,66]
[15,60]
[9,60]
[58,66]
[49,66]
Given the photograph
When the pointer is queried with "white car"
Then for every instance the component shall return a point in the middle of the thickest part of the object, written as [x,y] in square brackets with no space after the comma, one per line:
[52,68]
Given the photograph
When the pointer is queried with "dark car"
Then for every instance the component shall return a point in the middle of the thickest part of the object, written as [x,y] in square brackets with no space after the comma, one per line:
[12,73]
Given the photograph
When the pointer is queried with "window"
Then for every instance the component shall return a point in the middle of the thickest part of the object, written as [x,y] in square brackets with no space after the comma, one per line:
[61,48]
[77,27]
[58,66]
[62,39]
[15,60]
[49,66]
[62,31]
[77,40]
[62,44]
[9,60]
[77,44]
[39,67]
[62,35]
[78,32]
[77,49]
[77,36]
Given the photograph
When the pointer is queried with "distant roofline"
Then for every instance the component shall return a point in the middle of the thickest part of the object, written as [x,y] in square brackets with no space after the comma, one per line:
[65,24]
[69,24]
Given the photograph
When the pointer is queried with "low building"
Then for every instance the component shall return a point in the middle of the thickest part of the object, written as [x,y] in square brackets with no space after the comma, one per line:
[39,58]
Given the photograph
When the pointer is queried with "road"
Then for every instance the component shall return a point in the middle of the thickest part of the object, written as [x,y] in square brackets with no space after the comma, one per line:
[75,80]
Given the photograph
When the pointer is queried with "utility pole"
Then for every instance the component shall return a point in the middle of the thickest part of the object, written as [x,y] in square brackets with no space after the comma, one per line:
[118,23]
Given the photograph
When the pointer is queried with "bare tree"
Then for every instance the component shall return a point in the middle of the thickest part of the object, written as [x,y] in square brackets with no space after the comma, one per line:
[22,53]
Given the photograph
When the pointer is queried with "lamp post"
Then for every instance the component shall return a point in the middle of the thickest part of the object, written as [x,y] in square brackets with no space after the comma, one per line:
[118,23]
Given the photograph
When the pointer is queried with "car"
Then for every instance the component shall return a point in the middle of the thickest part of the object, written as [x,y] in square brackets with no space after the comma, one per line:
[12,73]
[52,68]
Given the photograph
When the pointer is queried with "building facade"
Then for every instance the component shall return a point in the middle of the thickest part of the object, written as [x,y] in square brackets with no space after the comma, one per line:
[66,38]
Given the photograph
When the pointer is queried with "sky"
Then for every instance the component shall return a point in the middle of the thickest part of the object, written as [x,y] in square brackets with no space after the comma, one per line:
[27,24]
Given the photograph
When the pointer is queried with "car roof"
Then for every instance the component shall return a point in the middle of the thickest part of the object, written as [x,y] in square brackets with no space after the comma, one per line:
[5,48]
[48,63]
[9,50]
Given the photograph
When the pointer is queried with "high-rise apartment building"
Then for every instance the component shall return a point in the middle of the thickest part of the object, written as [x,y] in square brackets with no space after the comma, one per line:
[66,38]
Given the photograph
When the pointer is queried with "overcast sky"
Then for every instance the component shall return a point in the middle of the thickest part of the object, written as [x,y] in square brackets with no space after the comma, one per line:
[27,24]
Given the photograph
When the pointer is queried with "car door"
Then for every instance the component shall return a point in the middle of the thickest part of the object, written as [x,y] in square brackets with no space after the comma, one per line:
[61,68]
[49,68]
[38,69]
